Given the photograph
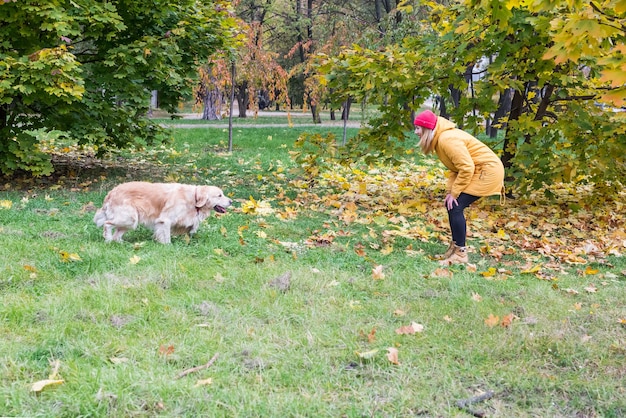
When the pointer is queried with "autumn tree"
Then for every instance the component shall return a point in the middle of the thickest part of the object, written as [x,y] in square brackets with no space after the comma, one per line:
[554,126]
[83,70]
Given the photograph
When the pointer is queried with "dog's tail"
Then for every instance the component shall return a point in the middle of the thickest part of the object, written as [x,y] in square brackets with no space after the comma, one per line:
[100,217]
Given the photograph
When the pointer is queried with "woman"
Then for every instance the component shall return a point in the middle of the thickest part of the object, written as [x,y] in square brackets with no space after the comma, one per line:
[475,171]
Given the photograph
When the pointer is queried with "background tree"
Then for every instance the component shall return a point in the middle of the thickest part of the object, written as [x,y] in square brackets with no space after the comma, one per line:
[258,74]
[83,70]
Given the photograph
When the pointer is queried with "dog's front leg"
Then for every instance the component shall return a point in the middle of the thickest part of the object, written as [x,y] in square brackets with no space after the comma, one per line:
[162,231]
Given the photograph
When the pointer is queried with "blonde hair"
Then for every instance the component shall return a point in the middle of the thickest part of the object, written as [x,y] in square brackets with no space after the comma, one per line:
[426,140]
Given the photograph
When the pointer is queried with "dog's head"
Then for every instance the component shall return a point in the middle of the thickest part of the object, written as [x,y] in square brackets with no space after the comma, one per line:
[212,197]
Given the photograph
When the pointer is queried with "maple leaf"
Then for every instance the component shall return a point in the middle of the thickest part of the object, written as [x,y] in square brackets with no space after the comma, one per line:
[507,320]
[489,273]
[591,288]
[377,273]
[371,337]
[392,355]
[410,329]
[491,321]
[254,207]
[166,350]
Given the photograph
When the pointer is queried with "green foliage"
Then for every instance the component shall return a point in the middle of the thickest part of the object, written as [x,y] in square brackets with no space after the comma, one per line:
[23,153]
[86,68]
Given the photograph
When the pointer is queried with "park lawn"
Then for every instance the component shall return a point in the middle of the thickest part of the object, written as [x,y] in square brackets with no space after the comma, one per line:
[298,298]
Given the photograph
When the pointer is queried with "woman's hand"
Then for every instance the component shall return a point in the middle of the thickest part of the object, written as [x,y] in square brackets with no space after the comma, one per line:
[450,201]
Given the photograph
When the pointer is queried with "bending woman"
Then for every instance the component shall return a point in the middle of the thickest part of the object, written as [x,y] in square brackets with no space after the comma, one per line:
[475,171]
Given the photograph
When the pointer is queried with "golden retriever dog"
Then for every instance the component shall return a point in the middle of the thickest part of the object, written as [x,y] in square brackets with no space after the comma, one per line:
[166,208]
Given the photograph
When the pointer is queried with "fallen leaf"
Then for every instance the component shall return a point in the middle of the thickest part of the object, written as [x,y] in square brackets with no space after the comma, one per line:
[532,270]
[441,272]
[507,320]
[118,360]
[166,350]
[367,355]
[392,355]
[204,382]
[489,273]
[492,320]
[42,384]
[591,288]
[371,337]
[476,297]
[135,259]
[410,329]
[377,273]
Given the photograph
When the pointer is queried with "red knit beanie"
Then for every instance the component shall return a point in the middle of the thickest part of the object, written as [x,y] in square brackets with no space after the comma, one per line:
[426,119]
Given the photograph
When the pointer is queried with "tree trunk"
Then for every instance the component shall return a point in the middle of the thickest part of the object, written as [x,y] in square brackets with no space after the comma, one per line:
[3,116]
[212,104]
[242,98]
[510,145]
[504,107]
[345,113]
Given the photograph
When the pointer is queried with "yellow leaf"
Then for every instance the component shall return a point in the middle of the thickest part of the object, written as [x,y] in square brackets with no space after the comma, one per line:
[532,270]
[204,382]
[489,273]
[387,250]
[6,204]
[67,257]
[367,355]
[589,270]
[134,259]
[42,384]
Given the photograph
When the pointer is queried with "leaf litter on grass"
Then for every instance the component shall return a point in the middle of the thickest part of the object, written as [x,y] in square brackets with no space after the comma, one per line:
[381,210]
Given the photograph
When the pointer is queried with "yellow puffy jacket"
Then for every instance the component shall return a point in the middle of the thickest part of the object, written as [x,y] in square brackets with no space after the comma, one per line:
[474,168]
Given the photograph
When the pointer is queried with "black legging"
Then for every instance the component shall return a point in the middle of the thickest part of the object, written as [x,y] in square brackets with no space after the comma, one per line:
[456,217]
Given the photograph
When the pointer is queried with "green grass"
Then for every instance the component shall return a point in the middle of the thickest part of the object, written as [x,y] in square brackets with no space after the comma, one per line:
[124,320]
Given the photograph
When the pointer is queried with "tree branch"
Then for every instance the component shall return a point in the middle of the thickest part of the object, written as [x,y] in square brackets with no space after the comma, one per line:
[198,368]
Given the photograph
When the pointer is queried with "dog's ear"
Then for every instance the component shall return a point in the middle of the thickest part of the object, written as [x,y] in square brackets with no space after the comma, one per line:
[202,196]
